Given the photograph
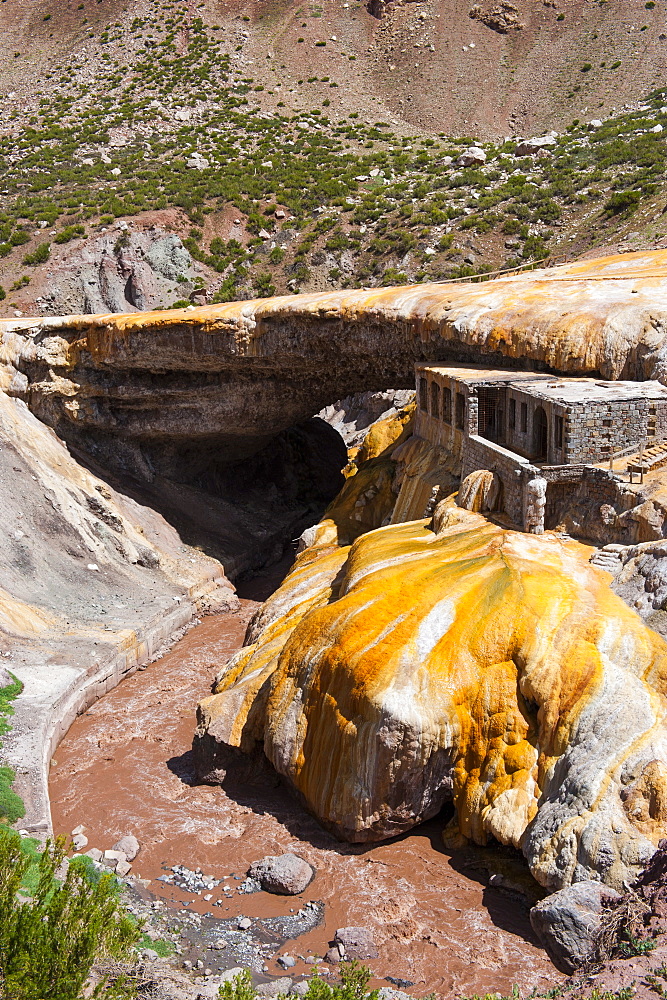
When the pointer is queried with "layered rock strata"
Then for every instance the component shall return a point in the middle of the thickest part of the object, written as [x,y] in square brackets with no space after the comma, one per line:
[454,660]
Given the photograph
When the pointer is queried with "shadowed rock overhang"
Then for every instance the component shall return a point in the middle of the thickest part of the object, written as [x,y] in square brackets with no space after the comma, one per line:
[230,377]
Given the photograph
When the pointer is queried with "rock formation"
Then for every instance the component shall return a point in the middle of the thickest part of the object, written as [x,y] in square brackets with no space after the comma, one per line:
[455,660]
[151,386]
[501,17]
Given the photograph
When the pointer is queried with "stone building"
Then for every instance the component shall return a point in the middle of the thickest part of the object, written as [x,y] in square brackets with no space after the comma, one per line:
[530,428]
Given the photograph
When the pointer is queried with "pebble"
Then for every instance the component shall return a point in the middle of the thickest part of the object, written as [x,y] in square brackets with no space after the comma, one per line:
[244,924]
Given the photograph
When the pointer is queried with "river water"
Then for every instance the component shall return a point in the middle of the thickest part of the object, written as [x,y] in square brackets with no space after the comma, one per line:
[125,767]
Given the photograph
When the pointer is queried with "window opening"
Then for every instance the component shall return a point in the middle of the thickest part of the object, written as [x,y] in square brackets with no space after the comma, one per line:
[423,395]
[558,432]
[512,414]
[435,400]
[447,405]
[540,434]
[491,414]
[460,410]
[524,418]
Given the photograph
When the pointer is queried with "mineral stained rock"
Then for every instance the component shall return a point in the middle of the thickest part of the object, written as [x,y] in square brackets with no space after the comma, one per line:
[456,660]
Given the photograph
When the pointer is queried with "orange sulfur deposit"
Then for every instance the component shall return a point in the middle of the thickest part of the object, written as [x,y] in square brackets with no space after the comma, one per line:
[454,660]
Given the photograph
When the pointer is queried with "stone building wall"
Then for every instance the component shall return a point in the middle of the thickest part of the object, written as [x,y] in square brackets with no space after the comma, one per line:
[522,441]
[482,454]
[594,430]
[438,423]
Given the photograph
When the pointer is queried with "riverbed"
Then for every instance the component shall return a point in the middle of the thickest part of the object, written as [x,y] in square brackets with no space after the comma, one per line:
[455,923]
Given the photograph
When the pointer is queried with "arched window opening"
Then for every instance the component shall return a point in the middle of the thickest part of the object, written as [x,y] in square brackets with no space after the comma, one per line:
[447,405]
[540,434]
[423,394]
[435,400]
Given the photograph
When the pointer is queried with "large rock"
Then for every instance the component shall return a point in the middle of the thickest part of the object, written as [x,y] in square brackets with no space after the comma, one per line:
[356,943]
[129,845]
[284,874]
[569,921]
[471,157]
[5,678]
[230,377]
[459,661]
[530,147]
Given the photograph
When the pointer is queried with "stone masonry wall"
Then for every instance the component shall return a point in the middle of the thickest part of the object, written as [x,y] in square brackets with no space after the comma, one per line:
[482,454]
[594,430]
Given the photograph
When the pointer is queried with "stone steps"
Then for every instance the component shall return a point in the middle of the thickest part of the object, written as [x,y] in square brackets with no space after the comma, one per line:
[607,559]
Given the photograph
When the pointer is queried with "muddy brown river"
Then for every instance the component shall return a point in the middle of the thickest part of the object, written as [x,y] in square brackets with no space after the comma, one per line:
[448,922]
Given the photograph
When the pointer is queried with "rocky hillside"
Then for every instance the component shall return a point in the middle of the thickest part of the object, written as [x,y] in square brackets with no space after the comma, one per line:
[154,154]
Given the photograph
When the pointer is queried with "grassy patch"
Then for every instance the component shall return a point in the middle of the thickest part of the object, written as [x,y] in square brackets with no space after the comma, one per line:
[11,805]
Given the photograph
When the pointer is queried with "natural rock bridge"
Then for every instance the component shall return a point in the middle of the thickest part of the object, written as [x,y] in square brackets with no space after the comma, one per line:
[230,377]
[94,579]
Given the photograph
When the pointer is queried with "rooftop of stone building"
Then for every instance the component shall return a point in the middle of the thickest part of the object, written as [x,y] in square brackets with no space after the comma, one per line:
[545,386]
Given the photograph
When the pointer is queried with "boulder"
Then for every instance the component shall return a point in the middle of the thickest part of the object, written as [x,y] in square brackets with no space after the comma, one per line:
[5,678]
[229,975]
[284,874]
[276,988]
[129,845]
[503,17]
[530,147]
[357,942]
[569,921]
[473,156]
[342,699]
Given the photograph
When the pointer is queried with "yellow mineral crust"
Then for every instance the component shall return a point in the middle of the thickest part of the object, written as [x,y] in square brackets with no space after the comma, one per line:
[453,659]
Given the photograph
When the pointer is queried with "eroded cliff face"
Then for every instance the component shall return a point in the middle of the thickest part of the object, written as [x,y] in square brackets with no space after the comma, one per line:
[455,660]
[92,585]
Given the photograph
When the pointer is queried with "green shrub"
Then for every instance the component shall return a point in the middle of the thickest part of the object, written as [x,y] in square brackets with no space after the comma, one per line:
[354,981]
[264,286]
[623,203]
[11,806]
[70,233]
[48,943]
[39,256]
[3,293]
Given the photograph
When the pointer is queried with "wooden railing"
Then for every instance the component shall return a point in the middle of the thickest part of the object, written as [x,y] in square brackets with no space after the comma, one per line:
[488,275]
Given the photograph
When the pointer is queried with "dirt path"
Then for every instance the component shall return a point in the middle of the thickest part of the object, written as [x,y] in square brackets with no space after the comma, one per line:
[124,767]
